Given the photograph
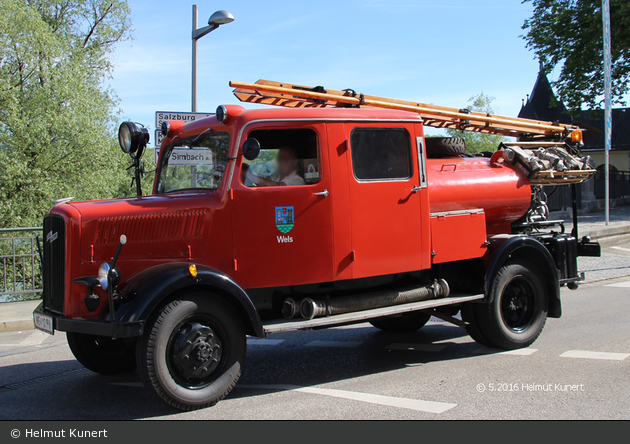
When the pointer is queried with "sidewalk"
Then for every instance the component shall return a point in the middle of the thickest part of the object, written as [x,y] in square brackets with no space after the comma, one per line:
[593,224]
[16,316]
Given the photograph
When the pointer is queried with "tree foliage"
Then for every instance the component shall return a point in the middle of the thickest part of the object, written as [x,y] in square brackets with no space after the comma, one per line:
[569,33]
[57,120]
[478,142]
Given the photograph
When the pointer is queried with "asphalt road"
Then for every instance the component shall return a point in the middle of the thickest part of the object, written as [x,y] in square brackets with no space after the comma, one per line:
[578,369]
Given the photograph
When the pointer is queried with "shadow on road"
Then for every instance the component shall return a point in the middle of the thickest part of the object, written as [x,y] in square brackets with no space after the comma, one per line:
[71,392]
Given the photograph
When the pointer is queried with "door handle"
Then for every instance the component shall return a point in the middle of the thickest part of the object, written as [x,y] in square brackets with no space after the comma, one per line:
[416,189]
[324,193]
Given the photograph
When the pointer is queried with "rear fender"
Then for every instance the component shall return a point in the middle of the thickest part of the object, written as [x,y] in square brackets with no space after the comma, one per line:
[141,294]
[507,248]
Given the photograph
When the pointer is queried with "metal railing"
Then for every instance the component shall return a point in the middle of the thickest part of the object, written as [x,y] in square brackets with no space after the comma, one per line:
[619,184]
[561,199]
[20,267]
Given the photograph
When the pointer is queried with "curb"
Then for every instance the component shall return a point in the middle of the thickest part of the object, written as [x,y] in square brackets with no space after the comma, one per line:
[600,233]
[16,325]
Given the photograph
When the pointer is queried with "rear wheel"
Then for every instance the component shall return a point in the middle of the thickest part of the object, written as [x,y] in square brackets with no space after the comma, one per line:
[518,311]
[405,323]
[469,316]
[193,351]
[103,355]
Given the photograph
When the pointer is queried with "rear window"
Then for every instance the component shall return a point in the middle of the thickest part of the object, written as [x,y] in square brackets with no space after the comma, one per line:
[381,153]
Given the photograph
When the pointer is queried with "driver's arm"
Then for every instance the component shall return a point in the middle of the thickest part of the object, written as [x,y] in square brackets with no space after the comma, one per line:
[262,182]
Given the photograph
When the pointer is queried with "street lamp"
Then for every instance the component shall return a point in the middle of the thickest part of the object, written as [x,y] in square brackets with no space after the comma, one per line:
[217,19]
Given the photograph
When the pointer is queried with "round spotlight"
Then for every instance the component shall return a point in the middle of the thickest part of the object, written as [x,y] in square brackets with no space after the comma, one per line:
[131,138]
[103,275]
[222,114]
[124,138]
[166,128]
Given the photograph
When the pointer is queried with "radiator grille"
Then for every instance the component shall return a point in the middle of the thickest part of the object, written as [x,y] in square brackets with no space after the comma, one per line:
[54,263]
[173,226]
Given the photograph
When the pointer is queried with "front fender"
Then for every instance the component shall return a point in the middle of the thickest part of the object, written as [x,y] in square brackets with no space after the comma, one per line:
[523,247]
[144,292]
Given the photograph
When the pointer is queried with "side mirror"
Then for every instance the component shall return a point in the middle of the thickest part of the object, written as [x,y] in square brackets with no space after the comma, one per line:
[251,149]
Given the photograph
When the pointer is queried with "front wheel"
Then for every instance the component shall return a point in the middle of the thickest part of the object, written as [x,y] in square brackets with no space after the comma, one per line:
[193,352]
[518,311]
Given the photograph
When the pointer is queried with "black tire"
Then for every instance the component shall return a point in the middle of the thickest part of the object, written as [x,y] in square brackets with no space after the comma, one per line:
[470,317]
[405,323]
[438,147]
[196,374]
[518,312]
[103,355]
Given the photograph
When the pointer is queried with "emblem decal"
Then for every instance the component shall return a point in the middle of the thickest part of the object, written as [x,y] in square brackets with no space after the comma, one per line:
[285,219]
[51,237]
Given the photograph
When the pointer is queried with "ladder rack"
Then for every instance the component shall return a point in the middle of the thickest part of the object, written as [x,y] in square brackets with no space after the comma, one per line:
[298,96]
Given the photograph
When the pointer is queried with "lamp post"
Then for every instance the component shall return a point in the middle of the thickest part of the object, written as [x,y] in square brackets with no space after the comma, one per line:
[607,104]
[217,19]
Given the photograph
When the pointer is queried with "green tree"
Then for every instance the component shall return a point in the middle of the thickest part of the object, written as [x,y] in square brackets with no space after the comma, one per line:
[57,119]
[478,142]
[569,33]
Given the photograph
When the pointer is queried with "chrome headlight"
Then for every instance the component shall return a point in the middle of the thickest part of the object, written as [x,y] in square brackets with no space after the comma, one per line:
[103,275]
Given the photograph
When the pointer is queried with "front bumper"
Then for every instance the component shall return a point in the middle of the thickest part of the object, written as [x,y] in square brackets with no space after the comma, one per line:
[90,327]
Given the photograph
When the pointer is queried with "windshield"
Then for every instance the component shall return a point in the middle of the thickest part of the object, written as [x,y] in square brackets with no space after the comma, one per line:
[196,163]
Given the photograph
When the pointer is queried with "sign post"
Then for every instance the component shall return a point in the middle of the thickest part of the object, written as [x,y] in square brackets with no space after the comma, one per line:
[607,102]
[162,116]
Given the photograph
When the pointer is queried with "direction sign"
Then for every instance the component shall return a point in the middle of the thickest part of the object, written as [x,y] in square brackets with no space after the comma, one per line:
[188,156]
[161,116]
[158,138]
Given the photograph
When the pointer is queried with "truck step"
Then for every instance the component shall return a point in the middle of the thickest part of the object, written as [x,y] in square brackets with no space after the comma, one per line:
[277,326]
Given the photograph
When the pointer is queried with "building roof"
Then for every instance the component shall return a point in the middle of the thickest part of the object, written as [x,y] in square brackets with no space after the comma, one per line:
[543,104]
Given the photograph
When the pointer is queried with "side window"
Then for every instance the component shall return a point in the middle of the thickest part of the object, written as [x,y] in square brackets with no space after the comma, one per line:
[381,153]
[288,157]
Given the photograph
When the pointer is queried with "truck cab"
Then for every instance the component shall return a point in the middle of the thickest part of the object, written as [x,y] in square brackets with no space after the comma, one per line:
[270,220]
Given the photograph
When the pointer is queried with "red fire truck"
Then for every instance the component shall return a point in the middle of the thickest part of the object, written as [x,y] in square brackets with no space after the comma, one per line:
[333,209]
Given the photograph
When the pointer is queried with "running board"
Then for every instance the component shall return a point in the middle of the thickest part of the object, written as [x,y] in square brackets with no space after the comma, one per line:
[359,316]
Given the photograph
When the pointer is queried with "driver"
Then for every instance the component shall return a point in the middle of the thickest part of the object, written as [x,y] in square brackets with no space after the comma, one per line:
[287,171]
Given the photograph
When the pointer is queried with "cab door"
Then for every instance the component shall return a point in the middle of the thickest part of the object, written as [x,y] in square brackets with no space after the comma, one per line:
[385,191]
[283,234]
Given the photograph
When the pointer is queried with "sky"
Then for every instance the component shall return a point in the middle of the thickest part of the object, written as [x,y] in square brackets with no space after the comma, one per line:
[433,51]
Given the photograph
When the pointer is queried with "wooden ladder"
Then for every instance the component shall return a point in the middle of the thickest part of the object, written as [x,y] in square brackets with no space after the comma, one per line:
[300,96]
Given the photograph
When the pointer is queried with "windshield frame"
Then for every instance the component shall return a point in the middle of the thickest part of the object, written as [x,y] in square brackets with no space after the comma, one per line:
[190,141]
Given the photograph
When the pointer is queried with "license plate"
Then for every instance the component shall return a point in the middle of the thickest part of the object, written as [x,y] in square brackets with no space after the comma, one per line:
[43,323]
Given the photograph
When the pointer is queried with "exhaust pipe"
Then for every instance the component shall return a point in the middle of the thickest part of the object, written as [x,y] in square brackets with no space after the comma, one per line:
[313,308]
[290,308]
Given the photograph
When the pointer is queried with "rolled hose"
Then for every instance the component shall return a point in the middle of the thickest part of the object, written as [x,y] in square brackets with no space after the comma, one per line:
[290,308]
[313,308]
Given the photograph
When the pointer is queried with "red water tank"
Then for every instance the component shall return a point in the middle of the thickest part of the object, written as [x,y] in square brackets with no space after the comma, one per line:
[501,190]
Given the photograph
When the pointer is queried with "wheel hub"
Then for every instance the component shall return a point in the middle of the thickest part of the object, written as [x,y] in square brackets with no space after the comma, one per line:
[517,306]
[196,351]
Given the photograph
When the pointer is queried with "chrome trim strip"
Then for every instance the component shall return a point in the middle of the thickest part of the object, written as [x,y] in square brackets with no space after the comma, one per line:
[458,212]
